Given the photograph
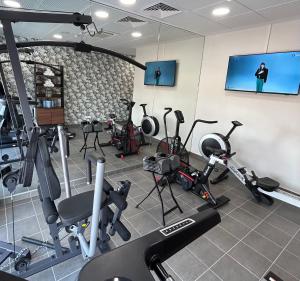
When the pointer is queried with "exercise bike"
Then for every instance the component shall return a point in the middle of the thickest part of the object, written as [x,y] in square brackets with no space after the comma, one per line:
[216,147]
[127,138]
[190,178]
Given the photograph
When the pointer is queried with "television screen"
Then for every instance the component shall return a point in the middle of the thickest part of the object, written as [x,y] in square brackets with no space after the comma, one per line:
[277,73]
[160,73]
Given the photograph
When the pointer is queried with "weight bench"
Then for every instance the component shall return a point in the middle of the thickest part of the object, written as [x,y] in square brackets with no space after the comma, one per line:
[74,214]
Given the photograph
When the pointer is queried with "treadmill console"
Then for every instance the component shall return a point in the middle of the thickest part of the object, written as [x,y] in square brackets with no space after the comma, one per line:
[176,227]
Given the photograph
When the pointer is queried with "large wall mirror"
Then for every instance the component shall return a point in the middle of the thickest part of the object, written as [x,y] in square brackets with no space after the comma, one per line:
[92,85]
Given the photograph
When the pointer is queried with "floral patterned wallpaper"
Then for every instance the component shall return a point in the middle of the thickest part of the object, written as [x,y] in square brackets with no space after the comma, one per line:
[94,83]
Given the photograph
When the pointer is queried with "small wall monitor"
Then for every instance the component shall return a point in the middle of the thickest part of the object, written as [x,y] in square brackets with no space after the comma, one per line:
[160,73]
[274,73]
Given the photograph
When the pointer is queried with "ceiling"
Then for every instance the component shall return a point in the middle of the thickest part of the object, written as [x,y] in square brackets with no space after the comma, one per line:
[192,18]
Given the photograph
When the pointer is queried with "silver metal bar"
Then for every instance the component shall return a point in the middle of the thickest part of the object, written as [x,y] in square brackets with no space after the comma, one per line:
[89,248]
[284,196]
[64,160]
[20,16]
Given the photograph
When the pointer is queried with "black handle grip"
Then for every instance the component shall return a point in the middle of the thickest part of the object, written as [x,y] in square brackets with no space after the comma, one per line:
[206,121]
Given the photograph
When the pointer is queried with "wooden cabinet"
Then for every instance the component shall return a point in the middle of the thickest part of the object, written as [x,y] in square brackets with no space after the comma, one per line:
[50,116]
[49,94]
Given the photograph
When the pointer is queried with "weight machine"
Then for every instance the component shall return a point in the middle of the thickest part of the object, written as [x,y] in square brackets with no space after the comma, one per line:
[86,204]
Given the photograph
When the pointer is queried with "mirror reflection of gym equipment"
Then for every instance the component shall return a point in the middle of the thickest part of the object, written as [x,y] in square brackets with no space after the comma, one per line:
[118,161]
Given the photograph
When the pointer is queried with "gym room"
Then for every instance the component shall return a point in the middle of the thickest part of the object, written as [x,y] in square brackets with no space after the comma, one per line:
[149,140]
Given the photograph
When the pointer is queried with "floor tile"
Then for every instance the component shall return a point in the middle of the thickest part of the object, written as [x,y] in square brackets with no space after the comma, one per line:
[281,273]
[290,263]
[144,223]
[46,275]
[26,227]
[209,276]
[68,267]
[283,224]
[256,209]
[274,234]
[72,277]
[131,210]
[229,270]
[186,265]
[262,245]
[234,227]
[221,238]
[206,251]
[244,217]
[250,259]
[149,203]
[294,247]
[289,212]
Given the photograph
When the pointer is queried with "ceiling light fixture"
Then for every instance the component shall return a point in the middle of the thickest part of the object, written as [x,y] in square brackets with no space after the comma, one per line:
[222,11]
[136,34]
[12,4]
[102,14]
[128,2]
[57,36]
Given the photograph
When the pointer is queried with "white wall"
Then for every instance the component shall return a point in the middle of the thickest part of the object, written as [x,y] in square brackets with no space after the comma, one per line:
[269,141]
[183,96]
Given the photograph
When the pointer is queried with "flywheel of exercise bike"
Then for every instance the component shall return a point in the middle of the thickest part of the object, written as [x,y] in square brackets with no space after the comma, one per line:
[166,147]
[213,141]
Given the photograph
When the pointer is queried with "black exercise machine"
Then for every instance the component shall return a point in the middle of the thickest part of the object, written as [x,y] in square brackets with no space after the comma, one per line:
[75,210]
[190,178]
[133,261]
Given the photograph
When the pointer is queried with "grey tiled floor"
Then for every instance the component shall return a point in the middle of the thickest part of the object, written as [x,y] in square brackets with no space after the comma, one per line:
[251,239]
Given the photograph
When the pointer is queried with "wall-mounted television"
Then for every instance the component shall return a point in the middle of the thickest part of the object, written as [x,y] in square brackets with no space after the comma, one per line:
[160,73]
[275,73]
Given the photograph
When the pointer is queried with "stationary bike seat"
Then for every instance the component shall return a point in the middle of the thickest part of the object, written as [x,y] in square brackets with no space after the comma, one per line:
[267,184]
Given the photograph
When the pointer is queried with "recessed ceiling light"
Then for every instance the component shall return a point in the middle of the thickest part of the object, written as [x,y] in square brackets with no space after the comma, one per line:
[128,2]
[57,36]
[102,14]
[222,11]
[12,3]
[136,34]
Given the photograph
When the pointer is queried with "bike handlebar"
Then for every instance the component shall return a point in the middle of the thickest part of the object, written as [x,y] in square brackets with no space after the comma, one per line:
[205,121]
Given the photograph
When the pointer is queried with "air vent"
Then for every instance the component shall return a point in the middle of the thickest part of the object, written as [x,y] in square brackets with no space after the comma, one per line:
[134,22]
[161,10]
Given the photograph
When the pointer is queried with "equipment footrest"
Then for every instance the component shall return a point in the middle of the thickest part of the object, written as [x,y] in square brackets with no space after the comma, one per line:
[221,201]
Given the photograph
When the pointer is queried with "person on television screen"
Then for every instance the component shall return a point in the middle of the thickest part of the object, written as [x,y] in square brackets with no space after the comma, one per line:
[157,75]
[261,77]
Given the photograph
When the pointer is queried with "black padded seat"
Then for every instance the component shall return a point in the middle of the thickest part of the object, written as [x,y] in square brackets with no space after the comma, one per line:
[76,208]
[267,184]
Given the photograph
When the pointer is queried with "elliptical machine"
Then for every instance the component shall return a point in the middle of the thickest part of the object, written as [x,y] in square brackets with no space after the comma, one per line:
[190,178]
[217,146]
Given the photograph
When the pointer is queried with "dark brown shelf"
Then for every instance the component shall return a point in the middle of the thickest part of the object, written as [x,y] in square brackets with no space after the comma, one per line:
[52,115]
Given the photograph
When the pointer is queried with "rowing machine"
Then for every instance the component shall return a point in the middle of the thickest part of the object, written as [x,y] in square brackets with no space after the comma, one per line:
[264,189]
